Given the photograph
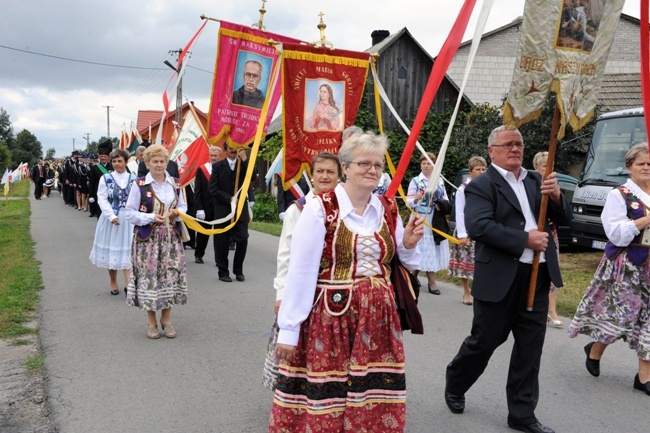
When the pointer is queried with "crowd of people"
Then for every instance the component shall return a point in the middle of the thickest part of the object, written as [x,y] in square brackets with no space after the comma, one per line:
[337,357]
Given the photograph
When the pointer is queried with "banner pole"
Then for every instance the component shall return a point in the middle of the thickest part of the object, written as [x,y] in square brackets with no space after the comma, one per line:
[541,221]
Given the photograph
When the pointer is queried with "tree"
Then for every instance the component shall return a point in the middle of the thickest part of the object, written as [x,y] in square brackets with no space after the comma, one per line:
[26,149]
[6,130]
[5,157]
[50,154]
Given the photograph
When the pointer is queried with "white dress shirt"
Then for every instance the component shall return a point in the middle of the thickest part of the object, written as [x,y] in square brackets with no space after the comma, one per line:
[620,230]
[291,216]
[519,189]
[309,234]
[122,180]
[459,208]
[166,193]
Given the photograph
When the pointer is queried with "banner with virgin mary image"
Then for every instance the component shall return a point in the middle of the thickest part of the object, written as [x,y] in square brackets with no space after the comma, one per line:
[563,48]
[242,82]
[321,92]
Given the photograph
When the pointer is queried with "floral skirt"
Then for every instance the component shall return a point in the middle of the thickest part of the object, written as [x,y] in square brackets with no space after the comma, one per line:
[434,257]
[158,279]
[348,371]
[616,305]
[461,261]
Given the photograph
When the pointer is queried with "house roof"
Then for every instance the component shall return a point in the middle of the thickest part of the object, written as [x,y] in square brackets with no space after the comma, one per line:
[155,116]
[620,91]
[382,46]
[146,118]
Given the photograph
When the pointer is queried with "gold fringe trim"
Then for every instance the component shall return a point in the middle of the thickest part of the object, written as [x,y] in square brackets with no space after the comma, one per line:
[243,35]
[325,58]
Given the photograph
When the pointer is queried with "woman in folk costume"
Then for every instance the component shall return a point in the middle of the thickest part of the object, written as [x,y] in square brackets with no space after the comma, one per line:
[114,234]
[461,261]
[433,247]
[326,172]
[340,340]
[158,280]
[616,305]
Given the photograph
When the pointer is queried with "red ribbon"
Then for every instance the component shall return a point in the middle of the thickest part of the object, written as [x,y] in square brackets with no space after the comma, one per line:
[645,64]
[440,66]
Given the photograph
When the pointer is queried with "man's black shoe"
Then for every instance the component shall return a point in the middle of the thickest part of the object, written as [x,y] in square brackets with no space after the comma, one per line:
[225,279]
[198,260]
[536,427]
[593,365]
[455,403]
[240,277]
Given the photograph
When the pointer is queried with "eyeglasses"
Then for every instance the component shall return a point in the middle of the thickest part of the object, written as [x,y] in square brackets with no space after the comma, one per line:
[518,145]
[250,76]
[365,165]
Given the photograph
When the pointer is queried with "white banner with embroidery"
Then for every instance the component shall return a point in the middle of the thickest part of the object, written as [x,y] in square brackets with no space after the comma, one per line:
[563,48]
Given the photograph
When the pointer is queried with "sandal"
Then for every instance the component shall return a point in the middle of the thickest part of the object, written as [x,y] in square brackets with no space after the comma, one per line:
[553,323]
[169,331]
[152,332]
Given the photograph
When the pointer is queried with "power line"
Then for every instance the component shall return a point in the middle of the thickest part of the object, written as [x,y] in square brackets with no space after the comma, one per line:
[76,60]
[94,63]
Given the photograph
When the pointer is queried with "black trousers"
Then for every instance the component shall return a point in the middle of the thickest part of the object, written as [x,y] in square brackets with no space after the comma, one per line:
[38,188]
[239,234]
[202,240]
[492,323]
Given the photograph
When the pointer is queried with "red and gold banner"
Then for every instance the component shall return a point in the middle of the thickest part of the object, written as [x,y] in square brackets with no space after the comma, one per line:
[242,82]
[321,93]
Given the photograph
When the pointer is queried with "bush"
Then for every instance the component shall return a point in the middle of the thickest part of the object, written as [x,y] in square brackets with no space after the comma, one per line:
[265,207]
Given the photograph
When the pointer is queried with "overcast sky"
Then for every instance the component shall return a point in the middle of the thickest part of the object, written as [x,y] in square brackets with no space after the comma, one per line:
[63,61]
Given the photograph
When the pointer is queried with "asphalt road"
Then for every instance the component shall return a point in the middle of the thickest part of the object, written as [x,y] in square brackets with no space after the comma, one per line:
[104,375]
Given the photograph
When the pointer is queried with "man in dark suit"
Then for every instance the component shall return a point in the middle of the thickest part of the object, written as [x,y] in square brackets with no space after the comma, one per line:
[223,186]
[501,211]
[69,186]
[204,202]
[38,177]
[96,172]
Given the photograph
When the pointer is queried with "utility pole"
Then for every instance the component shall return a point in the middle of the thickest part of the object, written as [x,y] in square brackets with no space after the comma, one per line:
[73,144]
[87,137]
[179,90]
[108,120]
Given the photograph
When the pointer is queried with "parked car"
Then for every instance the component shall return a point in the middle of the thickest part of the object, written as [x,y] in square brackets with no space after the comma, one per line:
[567,186]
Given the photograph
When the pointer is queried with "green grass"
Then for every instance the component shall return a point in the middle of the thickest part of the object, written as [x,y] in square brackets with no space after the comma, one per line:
[274,229]
[577,271]
[34,364]
[20,342]
[20,276]
[18,189]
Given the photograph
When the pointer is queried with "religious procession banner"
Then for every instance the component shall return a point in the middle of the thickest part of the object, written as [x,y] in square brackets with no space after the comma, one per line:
[563,48]
[190,150]
[321,92]
[242,81]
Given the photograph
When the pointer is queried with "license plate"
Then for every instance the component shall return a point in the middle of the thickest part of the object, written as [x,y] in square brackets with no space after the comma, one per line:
[599,245]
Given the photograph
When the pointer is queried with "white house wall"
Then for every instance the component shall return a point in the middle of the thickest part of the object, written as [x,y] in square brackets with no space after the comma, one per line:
[493,67]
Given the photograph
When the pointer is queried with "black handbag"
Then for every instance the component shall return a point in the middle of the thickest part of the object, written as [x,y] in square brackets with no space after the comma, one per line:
[405,285]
